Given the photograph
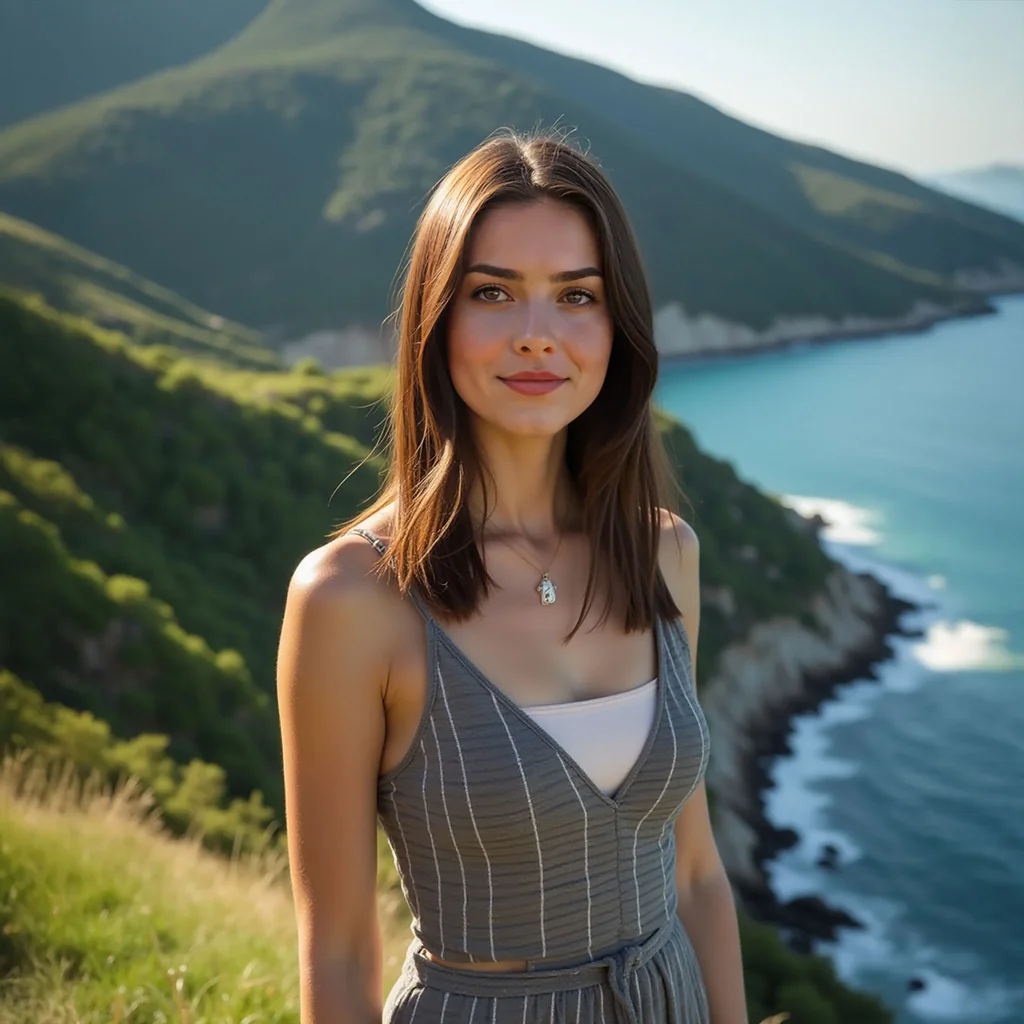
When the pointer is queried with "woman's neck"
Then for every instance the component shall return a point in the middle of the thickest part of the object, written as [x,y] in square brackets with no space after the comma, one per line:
[529,493]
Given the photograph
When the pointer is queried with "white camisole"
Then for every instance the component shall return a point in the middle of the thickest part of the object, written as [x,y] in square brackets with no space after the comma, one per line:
[603,735]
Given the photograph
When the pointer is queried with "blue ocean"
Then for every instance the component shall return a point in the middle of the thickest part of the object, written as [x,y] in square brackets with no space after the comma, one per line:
[912,448]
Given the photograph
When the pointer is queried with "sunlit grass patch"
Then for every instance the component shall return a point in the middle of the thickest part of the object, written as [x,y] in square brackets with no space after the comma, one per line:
[104,917]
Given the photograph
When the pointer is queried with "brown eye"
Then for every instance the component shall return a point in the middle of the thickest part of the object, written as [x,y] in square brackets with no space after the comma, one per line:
[490,293]
[585,297]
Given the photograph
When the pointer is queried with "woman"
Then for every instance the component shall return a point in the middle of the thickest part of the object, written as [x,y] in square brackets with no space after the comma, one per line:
[497,658]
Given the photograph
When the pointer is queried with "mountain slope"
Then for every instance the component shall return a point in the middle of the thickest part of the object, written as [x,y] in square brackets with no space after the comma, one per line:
[154,508]
[151,511]
[998,187]
[811,188]
[864,206]
[54,52]
[75,280]
[276,181]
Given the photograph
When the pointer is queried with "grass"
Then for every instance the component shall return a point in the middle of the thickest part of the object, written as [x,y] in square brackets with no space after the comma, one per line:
[105,918]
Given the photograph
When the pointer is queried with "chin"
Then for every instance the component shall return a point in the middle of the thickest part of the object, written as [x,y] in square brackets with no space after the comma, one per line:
[531,429]
[525,426]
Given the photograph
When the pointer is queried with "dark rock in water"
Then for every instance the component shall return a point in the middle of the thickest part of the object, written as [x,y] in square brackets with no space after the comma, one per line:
[829,857]
[915,984]
[803,922]
[814,918]
[774,841]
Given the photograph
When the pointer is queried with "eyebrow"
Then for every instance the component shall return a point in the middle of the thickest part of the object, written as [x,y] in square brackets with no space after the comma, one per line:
[514,275]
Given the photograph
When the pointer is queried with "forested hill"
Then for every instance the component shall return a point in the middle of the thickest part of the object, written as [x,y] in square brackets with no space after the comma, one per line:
[146,486]
[152,507]
[273,173]
[55,52]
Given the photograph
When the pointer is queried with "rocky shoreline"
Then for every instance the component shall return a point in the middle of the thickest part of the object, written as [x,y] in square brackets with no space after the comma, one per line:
[808,918]
[785,669]
[684,339]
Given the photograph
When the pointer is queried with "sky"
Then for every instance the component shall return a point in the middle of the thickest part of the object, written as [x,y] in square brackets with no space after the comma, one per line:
[920,86]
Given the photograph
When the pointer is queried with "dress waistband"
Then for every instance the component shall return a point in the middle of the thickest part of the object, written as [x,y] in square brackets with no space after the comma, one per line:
[617,969]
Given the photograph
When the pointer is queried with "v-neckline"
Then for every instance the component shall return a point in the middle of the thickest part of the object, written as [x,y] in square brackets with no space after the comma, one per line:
[623,790]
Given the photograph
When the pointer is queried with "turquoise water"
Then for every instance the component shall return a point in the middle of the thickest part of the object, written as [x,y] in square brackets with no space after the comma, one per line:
[913,448]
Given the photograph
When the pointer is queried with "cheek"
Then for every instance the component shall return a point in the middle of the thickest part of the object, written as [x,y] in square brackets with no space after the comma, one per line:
[592,351]
[473,335]
[471,350]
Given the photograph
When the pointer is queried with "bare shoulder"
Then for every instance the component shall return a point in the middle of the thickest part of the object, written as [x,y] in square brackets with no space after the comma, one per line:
[336,585]
[678,551]
[341,607]
[343,573]
[679,561]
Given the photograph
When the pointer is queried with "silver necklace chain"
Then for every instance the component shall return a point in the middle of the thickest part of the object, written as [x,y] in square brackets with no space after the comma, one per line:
[546,587]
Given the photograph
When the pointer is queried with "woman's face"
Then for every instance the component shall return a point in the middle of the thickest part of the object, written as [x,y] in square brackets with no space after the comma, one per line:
[530,335]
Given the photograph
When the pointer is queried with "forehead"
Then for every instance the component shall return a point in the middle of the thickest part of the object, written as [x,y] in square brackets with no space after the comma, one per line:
[542,234]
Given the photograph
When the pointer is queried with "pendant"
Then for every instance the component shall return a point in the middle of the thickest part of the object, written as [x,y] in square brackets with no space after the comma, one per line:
[546,589]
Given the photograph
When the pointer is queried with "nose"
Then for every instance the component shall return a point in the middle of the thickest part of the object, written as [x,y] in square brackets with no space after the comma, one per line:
[534,337]
[533,346]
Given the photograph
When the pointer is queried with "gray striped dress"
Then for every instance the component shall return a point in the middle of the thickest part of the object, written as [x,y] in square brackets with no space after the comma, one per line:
[507,850]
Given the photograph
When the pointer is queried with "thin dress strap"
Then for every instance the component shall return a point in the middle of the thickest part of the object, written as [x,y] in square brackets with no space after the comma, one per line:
[382,549]
[432,669]
[378,545]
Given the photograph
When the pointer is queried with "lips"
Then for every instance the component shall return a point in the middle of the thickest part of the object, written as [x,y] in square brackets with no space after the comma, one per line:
[533,382]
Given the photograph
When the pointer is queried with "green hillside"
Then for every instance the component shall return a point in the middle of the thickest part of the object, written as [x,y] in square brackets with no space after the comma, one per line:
[275,181]
[75,280]
[112,921]
[54,52]
[157,505]
[152,507]
[870,209]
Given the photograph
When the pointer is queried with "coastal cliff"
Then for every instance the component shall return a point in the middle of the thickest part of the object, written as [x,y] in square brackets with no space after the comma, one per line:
[783,668]
[681,336]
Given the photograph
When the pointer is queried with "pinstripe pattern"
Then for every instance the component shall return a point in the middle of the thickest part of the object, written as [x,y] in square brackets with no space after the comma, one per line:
[636,834]
[586,858]
[444,802]
[408,884]
[507,850]
[472,817]
[536,833]
[433,851]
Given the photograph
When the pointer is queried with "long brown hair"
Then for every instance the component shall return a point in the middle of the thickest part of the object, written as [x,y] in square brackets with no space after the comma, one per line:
[613,454]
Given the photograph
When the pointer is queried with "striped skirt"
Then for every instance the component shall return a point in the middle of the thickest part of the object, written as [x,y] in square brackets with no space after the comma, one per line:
[657,981]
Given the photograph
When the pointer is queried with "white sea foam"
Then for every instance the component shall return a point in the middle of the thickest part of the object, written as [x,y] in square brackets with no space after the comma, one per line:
[846,523]
[797,802]
[957,646]
[946,999]
[876,950]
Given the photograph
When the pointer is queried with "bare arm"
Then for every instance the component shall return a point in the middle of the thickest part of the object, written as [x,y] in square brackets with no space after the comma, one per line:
[330,668]
[706,905]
